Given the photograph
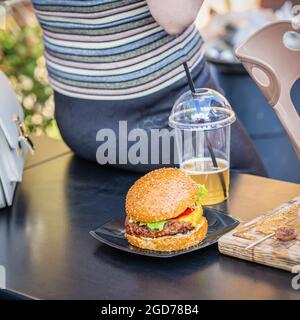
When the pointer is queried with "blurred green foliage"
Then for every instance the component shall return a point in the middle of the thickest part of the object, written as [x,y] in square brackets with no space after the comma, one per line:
[21,59]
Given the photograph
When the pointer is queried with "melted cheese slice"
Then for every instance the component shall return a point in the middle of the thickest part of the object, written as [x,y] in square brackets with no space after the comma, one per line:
[194,218]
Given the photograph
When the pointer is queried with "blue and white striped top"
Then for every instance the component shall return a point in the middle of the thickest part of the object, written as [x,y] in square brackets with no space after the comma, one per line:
[112,49]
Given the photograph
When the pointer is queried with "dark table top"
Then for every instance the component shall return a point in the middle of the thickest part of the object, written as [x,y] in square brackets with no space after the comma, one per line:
[48,253]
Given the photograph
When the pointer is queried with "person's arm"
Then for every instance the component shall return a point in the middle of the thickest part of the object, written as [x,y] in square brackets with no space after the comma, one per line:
[174,15]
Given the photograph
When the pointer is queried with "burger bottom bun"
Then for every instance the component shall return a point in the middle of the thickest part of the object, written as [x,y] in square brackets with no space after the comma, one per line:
[171,243]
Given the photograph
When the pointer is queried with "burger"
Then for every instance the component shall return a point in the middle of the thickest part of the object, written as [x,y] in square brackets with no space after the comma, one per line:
[163,211]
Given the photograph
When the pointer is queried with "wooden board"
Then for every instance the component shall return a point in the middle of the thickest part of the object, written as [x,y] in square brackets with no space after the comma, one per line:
[271,252]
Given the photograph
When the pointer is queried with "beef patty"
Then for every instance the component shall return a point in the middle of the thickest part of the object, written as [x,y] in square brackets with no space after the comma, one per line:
[171,228]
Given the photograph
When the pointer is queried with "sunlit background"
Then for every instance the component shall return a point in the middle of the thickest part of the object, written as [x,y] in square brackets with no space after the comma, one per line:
[21,59]
[224,25]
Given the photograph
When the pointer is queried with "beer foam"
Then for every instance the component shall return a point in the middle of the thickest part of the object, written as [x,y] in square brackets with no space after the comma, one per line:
[202,161]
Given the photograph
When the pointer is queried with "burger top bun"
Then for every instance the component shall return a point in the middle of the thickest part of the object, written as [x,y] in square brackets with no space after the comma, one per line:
[161,195]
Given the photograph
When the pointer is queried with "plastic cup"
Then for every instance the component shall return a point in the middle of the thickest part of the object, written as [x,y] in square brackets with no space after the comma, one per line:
[202,123]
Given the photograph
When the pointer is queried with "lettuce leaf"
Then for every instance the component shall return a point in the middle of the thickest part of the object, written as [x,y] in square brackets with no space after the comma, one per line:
[202,192]
[151,225]
[154,225]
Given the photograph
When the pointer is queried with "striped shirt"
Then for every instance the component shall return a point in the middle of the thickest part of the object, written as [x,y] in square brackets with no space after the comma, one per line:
[112,49]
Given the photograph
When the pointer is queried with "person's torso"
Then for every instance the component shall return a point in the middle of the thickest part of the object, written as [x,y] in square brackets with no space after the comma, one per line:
[111,49]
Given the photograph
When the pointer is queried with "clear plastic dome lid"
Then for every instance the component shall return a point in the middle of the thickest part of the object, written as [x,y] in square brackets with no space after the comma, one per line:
[204,110]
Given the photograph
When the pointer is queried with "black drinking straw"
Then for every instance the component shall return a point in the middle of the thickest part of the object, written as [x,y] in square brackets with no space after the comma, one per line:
[189,77]
[209,146]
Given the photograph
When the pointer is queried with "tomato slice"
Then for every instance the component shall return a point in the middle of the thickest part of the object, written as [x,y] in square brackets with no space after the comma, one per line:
[186,212]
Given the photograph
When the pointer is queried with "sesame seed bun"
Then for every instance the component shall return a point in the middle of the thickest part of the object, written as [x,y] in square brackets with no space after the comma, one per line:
[162,194]
[171,243]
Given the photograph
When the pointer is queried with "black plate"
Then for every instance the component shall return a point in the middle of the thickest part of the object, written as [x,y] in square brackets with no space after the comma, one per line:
[112,234]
